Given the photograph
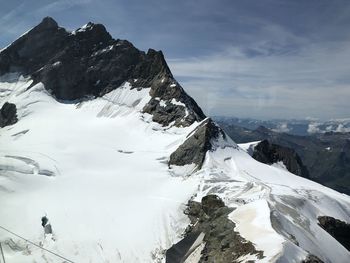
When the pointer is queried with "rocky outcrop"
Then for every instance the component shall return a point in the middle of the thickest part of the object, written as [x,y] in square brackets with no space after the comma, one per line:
[88,62]
[8,114]
[312,259]
[211,203]
[213,233]
[195,147]
[270,153]
[46,225]
[338,229]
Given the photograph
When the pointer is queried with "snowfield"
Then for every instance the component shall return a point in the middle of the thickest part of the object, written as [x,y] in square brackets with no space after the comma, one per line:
[98,170]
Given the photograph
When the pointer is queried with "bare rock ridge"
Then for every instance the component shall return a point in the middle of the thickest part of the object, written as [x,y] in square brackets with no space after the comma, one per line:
[312,259]
[8,114]
[212,232]
[89,63]
[270,153]
[195,147]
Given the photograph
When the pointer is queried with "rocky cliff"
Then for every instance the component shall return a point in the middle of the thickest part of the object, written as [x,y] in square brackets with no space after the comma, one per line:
[88,63]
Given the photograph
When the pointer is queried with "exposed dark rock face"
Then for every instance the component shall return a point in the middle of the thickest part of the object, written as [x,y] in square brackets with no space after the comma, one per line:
[211,203]
[312,259]
[44,221]
[88,62]
[197,144]
[336,228]
[221,243]
[180,251]
[46,225]
[270,153]
[173,113]
[8,114]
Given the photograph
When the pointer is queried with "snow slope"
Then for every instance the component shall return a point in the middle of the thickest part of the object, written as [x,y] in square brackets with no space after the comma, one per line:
[110,197]
[249,146]
[98,170]
[275,208]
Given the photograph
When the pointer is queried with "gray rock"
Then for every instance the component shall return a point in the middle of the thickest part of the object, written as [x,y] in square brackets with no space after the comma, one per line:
[194,149]
[48,229]
[8,114]
[222,243]
[211,203]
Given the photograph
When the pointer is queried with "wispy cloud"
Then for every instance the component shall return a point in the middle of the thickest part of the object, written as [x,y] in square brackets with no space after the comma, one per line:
[311,81]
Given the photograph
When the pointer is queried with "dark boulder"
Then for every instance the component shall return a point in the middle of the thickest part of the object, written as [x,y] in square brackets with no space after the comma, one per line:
[312,259]
[270,153]
[211,203]
[8,114]
[338,229]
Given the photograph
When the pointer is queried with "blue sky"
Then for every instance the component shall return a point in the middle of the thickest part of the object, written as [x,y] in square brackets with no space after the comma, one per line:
[261,59]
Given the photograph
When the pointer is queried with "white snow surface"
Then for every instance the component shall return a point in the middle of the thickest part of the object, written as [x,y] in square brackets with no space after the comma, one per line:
[98,170]
[280,165]
[253,222]
[104,204]
[175,102]
[264,196]
[249,147]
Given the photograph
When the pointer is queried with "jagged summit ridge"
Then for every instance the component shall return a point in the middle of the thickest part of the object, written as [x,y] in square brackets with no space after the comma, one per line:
[88,62]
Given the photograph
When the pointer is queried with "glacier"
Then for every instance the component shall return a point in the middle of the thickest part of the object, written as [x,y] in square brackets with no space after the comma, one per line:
[98,169]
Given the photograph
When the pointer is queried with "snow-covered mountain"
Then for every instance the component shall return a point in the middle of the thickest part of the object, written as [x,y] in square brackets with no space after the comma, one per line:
[98,138]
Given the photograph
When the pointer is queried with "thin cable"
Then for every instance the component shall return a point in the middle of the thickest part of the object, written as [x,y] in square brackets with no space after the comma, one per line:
[53,253]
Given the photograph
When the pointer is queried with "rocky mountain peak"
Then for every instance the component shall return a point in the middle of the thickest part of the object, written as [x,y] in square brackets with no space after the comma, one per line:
[88,62]
[47,23]
[158,59]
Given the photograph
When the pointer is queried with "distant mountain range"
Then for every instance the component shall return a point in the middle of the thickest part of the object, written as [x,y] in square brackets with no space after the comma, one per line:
[295,127]
[326,155]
